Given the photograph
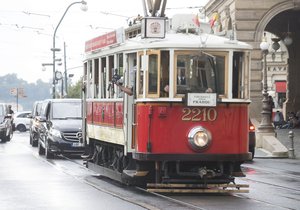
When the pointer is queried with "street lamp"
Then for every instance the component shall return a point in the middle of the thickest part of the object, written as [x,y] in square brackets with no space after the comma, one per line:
[265,124]
[83,8]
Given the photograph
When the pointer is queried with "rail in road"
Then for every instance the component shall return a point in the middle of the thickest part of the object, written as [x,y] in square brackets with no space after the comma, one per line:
[273,184]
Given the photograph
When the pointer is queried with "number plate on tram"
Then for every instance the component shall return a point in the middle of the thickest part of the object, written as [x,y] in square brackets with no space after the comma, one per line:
[201,99]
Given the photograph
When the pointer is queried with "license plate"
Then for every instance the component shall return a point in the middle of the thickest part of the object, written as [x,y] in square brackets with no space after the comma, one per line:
[77,144]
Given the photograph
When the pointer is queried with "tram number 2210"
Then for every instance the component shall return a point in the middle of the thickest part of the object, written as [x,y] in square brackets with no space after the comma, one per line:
[199,114]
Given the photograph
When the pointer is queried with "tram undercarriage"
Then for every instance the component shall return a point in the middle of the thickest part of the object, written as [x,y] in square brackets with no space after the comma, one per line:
[162,175]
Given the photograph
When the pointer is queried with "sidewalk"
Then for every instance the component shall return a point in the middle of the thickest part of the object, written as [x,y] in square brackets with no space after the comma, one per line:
[283,136]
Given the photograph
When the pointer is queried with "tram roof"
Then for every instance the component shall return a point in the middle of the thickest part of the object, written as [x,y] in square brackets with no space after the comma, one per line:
[172,40]
[188,41]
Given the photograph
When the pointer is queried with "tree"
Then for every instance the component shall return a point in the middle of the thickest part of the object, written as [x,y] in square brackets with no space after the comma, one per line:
[74,91]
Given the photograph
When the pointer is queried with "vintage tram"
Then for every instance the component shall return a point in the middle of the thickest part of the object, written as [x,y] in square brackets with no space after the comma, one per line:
[167,105]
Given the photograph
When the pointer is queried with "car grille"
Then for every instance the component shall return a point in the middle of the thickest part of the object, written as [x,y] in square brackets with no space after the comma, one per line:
[72,136]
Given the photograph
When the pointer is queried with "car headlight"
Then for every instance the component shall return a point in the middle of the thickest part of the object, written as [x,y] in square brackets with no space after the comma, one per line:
[55,133]
[199,138]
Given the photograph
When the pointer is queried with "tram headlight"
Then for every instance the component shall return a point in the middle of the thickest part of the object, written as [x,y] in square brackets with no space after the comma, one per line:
[199,138]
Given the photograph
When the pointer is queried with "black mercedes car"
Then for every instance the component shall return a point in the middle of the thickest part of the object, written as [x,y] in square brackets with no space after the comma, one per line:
[60,131]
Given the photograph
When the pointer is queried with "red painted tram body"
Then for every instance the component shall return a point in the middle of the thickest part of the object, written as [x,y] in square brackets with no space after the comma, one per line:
[166,108]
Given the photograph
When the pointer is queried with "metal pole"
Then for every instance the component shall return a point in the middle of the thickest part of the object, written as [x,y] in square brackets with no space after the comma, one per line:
[17,99]
[65,65]
[265,124]
[53,47]
[291,149]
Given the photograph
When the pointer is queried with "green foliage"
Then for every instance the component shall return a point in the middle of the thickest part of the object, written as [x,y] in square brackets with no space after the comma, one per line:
[74,91]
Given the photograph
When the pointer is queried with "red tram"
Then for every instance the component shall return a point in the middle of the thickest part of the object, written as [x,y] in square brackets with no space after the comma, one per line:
[166,105]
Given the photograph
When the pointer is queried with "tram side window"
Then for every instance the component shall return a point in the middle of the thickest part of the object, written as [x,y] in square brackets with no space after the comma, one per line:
[164,73]
[140,75]
[237,82]
[96,77]
[120,73]
[220,66]
[103,77]
[84,79]
[90,77]
[153,74]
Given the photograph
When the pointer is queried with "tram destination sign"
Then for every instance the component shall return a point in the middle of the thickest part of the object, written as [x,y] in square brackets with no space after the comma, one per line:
[201,99]
[108,39]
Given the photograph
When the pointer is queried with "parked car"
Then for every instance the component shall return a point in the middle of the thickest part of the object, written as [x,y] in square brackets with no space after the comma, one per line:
[252,139]
[34,123]
[22,120]
[6,123]
[60,131]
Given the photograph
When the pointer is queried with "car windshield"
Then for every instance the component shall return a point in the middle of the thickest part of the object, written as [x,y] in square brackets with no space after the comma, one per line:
[63,110]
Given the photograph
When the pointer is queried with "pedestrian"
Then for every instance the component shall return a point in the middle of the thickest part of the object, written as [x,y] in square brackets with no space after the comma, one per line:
[271,106]
[278,119]
[10,111]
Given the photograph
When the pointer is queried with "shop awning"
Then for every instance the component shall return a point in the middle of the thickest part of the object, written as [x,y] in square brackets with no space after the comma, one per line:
[280,87]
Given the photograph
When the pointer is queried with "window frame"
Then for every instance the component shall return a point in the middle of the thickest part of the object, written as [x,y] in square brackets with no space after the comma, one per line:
[225,54]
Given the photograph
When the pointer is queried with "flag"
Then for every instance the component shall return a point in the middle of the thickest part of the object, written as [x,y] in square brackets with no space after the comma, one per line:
[196,21]
[213,19]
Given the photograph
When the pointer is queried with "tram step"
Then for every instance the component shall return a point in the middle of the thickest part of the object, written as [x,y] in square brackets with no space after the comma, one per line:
[197,188]
[135,173]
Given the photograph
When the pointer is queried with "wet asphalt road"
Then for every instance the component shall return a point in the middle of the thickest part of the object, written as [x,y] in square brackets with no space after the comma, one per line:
[29,181]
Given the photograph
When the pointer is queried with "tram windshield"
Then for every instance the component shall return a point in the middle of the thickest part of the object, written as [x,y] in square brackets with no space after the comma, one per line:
[199,73]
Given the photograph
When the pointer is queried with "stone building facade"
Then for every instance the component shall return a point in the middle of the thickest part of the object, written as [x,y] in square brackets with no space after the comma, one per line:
[249,19]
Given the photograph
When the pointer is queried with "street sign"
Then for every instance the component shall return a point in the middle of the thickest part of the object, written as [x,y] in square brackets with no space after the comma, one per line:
[13,91]
[17,92]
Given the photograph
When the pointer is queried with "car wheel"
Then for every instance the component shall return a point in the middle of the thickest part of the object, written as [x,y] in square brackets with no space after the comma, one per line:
[34,139]
[41,150]
[3,139]
[48,153]
[21,128]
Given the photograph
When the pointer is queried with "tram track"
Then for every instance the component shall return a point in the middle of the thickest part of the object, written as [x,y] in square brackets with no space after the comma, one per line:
[281,174]
[182,201]
[185,205]
[194,201]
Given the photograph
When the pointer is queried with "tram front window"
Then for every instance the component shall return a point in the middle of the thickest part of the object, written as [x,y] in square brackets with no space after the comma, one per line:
[200,73]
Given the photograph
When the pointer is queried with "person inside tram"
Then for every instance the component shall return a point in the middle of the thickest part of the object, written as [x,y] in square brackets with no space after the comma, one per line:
[128,89]
[181,80]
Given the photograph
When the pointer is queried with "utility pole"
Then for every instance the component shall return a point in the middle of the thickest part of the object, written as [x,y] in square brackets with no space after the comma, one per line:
[65,66]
